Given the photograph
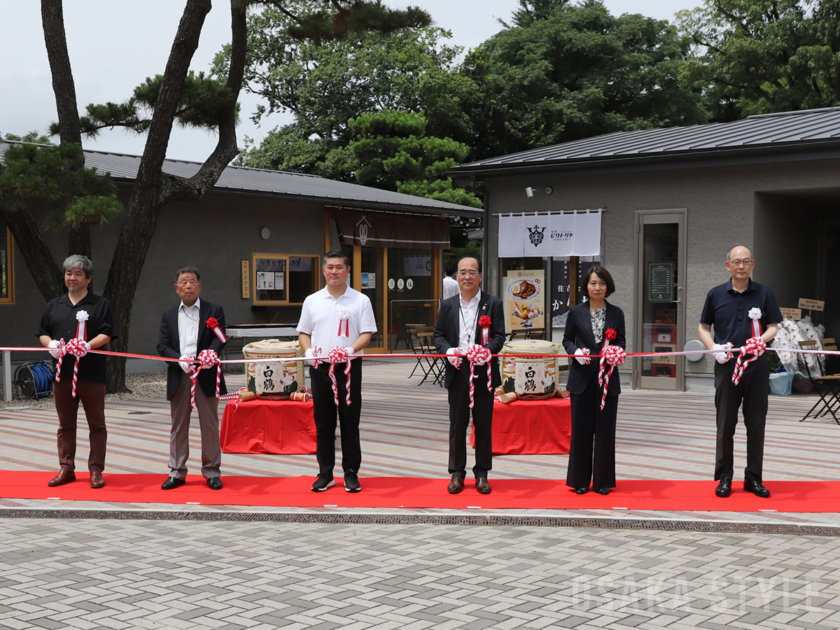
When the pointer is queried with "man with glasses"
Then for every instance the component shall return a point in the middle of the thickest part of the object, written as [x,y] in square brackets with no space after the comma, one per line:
[186,330]
[732,308]
[459,326]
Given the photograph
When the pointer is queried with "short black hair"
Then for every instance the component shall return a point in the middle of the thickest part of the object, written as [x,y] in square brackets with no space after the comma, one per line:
[337,253]
[471,258]
[449,270]
[184,270]
[603,274]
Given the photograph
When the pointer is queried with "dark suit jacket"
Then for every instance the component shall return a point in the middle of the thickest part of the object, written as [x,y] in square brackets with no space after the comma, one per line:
[579,335]
[169,345]
[448,329]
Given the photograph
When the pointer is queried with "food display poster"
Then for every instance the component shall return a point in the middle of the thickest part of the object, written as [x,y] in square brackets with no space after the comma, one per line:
[524,297]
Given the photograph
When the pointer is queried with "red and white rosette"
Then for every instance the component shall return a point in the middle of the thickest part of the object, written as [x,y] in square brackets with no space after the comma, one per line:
[484,323]
[75,348]
[478,355]
[343,323]
[207,359]
[609,335]
[339,355]
[213,324]
[614,356]
[754,347]
[316,362]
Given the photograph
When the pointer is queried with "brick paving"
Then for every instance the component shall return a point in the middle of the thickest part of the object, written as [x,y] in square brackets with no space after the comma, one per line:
[163,566]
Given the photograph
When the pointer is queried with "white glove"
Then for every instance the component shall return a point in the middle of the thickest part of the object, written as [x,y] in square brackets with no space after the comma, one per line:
[58,345]
[185,364]
[581,356]
[453,357]
[310,354]
[721,352]
[350,351]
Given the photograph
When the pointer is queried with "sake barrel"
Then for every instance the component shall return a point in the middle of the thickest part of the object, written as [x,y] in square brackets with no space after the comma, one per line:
[277,380]
[532,377]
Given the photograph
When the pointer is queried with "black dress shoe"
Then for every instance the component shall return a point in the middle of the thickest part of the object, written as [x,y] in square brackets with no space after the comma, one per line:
[172,482]
[482,485]
[603,491]
[581,490]
[215,483]
[754,486]
[456,485]
[724,488]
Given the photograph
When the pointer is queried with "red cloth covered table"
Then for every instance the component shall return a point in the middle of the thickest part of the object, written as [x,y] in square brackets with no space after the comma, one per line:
[531,427]
[282,427]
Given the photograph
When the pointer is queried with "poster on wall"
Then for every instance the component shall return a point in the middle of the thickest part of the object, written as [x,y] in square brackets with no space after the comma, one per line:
[524,293]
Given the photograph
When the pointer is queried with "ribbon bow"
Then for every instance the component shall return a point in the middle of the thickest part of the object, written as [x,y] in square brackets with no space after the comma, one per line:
[213,324]
[344,322]
[339,355]
[484,322]
[207,359]
[612,356]
[77,347]
[479,355]
[755,346]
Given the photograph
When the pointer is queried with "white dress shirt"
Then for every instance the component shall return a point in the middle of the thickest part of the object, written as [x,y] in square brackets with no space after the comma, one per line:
[188,328]
[468,314]
[450,287]
[321,316]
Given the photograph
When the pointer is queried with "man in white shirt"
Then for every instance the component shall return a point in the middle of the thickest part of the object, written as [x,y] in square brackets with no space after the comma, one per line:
[337,316]
[186,330]
[459,326]
[450,284]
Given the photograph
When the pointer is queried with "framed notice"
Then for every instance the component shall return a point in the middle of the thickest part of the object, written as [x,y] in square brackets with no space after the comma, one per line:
[792,313]
[282,279]
[660,282]
[524,297]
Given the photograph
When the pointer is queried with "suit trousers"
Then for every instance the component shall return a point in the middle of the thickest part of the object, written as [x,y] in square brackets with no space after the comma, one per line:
[459,420]
[592,424]
[323,403]
[179,437]
[753,390]
[92,396]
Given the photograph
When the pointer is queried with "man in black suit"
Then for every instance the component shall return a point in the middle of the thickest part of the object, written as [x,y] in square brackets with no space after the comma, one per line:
[186,330]
[458,327]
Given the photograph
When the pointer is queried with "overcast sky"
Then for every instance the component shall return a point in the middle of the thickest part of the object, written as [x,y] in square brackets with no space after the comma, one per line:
[115,44]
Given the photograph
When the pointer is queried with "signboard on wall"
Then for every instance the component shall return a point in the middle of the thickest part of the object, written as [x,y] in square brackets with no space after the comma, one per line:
[524,295]
[811,305]
[792,313]
[550,235]
[660,282]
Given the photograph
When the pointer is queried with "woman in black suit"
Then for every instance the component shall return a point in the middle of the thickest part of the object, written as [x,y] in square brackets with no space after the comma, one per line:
[586,327]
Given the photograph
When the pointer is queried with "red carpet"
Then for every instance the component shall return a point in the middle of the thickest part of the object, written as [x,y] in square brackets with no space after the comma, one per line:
[402,492]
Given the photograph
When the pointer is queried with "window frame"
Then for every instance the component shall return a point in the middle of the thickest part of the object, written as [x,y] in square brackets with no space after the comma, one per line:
[316,266]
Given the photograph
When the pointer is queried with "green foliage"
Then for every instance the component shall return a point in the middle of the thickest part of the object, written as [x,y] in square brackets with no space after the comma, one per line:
[33,137]
[325,84]
[396,154]
[565,72]
[762,56]
[33,173]
[202,103]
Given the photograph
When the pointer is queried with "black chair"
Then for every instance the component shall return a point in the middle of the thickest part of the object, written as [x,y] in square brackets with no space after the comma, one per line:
[827,386]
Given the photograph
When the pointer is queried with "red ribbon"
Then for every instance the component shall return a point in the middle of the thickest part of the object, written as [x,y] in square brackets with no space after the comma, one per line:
[213,324]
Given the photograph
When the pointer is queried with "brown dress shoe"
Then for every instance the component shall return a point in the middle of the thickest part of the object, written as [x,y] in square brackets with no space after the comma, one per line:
[456,485]
[63,476]
[96,480]
[482,485]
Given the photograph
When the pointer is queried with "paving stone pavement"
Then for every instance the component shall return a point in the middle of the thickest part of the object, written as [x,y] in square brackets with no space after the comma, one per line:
[80,573]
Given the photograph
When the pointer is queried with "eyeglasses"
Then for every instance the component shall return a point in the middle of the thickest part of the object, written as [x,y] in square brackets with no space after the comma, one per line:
[464,273]
[188,283]
[737,263]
